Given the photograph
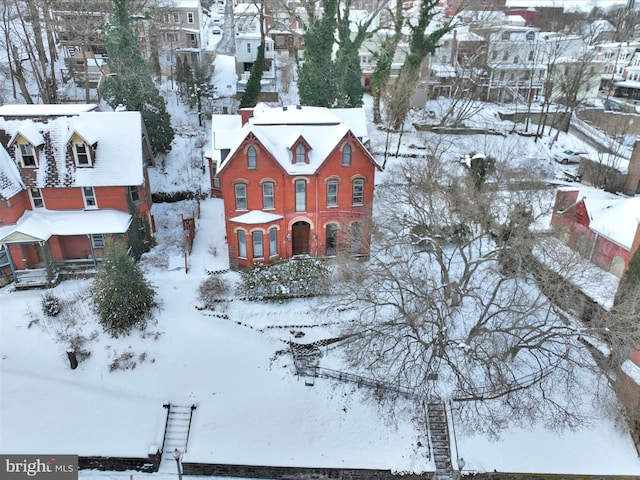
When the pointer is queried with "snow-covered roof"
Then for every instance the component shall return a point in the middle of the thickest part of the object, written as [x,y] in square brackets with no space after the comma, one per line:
[10,181]
[255,217]
[50,110]
[29,131]
[41,224]
[224,129]
[628,84]
[118,154]
[179,3]
[632,370]
[614,218]
[321,128]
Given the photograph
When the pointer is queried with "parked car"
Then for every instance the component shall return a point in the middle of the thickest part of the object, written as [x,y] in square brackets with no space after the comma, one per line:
[216,30]
[569,156]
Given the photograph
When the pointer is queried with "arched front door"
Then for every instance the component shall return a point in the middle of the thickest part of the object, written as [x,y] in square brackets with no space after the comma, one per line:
[300,238]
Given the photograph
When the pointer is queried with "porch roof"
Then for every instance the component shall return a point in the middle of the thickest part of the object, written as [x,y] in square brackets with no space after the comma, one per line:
[39,225]
[255,217]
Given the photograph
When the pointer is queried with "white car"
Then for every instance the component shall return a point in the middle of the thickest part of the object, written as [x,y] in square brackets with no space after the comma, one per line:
[569,156]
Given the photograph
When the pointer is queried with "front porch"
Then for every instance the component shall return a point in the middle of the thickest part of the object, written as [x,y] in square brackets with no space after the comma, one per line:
[41,277]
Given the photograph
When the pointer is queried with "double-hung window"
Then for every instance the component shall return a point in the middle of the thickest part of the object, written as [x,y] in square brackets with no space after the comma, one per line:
[241,196]
[332,193]
[37,200]
[273,243]
[27,155]
[358,192]
[267,195]
[89,196]
[301,196]
[242,244]
[257,245]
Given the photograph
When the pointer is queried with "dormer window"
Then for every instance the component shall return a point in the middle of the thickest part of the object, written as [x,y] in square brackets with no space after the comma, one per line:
[301,154]
[28,158]
[82,154]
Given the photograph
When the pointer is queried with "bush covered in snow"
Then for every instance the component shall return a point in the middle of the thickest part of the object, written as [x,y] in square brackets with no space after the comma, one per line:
[288,279]
[212,291]
[51,304]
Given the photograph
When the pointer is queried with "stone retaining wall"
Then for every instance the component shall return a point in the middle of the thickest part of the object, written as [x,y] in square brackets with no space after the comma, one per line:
[294,473]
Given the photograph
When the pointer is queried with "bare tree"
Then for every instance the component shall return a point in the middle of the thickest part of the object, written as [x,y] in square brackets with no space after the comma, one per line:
[449,293]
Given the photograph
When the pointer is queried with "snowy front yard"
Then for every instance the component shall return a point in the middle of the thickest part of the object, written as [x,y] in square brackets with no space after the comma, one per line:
[251,408]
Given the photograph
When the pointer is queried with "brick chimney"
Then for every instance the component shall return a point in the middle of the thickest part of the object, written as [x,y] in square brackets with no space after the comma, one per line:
[246,114]
[632,183]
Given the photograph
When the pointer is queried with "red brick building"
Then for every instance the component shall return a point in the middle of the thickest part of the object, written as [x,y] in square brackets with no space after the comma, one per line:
[295,181]
[70,177]
[601,226]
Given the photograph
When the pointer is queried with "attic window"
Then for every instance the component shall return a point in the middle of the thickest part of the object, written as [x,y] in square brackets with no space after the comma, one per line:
[82,154]
[346,155]
[301,154]
[28,157]
[530,36]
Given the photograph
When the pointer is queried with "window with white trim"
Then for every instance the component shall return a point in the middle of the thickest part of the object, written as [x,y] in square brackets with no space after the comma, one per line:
[134,194]
[97,240]
[89,196]
[332,193]
[300,154]
[241,196]
[82,154]
[358,192]
[189,17]
[28,157]
[257,244]
[273,243]
[176,17]
[301,196]
[248,48]
[37,200]
[267,195]
[242,244]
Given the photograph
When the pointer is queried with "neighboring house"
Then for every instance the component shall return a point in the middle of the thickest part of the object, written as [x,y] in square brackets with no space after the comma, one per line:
[179,33]
[247,23]
[630,87]
[296,181]
[614,58]
[516,72]
[602,227]
[71,177]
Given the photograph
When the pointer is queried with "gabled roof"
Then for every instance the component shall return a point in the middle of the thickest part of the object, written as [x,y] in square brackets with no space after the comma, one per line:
[29,131]
[10,181]
[118,157]
[614,218]
[41,224]
[321,128]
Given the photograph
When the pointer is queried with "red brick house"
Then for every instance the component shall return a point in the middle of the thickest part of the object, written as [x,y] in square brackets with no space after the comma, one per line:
[296,181]
[602,227]
[70,178]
